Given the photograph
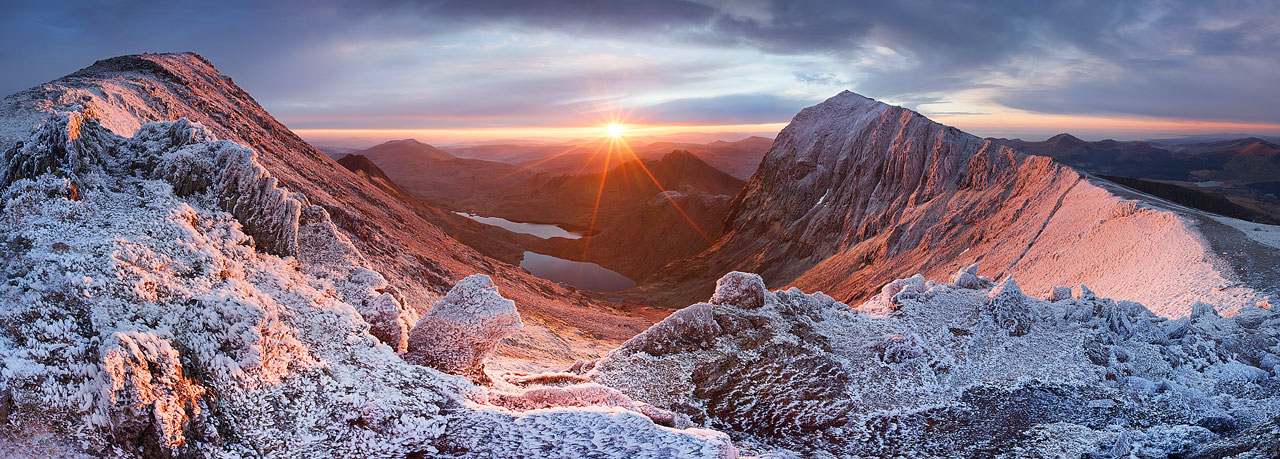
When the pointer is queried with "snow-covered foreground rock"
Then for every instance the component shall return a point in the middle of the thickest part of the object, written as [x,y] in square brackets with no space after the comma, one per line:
[961,369]
[163,297]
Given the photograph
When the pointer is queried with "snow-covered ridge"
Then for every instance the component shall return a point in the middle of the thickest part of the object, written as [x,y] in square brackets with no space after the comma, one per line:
[150,312]
[856,193]
[418,260]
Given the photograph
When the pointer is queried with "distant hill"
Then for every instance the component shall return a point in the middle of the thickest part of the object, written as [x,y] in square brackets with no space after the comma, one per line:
[404,149]
[336,152]
[361,163]
[437,177]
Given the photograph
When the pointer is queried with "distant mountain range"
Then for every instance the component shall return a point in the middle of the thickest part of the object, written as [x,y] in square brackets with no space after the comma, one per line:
[1245,171]
[622,206]
[1208,138]
[737,158]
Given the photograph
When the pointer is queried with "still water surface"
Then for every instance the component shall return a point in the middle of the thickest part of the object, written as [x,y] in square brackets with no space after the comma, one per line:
[536,229]
[583,275]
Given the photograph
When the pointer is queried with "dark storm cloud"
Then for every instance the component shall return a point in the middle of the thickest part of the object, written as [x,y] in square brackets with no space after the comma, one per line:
[1159,55]
[1193,59]
[1197,61]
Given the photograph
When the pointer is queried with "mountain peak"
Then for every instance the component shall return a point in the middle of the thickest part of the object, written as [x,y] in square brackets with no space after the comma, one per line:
[407,142]
[411,147]
[1065,138]
[680,155]
[166,65]
[848,100]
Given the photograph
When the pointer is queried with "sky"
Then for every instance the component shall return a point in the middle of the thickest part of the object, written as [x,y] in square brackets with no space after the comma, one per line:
[478,70]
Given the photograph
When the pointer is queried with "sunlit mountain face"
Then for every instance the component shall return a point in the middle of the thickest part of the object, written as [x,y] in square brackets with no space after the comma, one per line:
[657,229]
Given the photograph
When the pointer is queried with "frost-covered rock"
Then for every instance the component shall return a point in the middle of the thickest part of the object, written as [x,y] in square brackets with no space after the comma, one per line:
[1009,310]
[689,327]
[462,328]
[953,372]
[745,290]
[68,144]
[969,278]
[150,399]
[1059,293]
[894,294]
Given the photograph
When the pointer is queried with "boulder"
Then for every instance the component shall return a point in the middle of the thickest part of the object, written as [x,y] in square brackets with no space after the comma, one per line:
[744,290]
[462,328]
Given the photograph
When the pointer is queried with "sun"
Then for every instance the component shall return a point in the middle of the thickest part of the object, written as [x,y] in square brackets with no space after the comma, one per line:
[615,130]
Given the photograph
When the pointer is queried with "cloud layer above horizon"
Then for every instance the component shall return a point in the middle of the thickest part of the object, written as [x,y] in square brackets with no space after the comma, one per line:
[491,64]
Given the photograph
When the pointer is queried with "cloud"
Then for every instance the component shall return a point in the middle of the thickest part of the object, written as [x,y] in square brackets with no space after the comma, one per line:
[826,79]
[728,109]
[326,63]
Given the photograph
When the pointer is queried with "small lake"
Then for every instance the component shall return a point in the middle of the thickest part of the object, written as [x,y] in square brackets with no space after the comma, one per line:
[536,229]
[580,274]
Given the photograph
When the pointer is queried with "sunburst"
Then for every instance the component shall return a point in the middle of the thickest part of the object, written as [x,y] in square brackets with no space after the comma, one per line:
[614,124]
[615,129]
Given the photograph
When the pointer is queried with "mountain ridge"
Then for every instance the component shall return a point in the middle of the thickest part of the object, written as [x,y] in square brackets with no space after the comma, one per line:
[419,260]
[856,193]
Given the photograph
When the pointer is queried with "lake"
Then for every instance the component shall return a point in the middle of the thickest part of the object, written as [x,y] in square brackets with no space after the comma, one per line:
[583,275]
[536,229]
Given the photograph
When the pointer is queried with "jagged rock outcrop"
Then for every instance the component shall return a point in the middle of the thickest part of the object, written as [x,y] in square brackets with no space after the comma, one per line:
[856,193]
[462,328]
[1008,309]
[59,146]
[151,401]
[956,371]
[969,278]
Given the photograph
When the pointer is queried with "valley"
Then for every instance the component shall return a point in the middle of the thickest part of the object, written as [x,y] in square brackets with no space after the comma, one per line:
[674,204]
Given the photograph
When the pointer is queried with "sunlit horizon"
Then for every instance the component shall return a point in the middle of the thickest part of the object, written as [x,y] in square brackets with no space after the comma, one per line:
[1013,125]
[550,135]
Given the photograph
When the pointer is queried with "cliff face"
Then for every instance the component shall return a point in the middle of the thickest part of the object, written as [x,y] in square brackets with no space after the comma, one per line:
[856,193]
[419,260]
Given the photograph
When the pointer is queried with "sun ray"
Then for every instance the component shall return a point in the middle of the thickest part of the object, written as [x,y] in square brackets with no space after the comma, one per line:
[599,149]
[595,210]
[679,209]
[536,164]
